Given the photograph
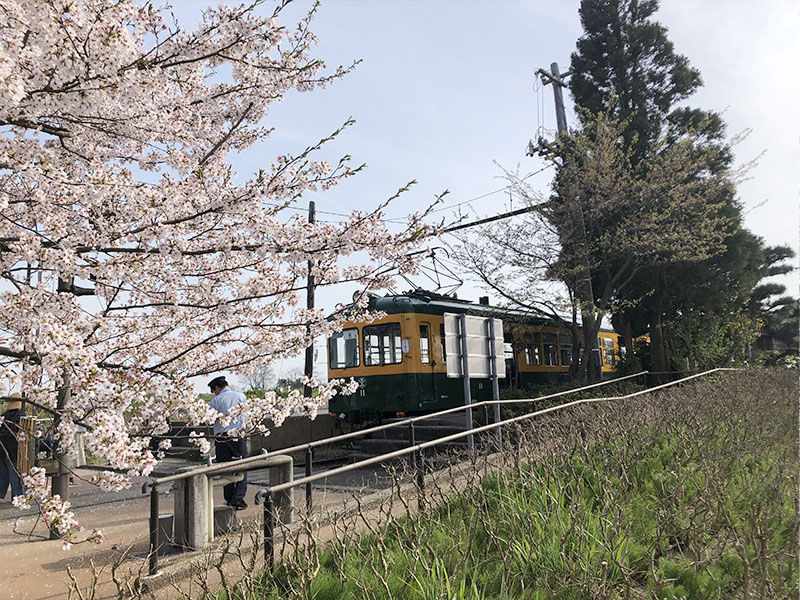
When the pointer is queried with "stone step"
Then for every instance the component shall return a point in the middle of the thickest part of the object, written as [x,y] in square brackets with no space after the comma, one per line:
[191,453]
[378,446]
[422,433]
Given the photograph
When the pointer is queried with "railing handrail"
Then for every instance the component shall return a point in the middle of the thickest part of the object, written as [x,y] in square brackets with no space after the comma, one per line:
[355,434]
[456,436]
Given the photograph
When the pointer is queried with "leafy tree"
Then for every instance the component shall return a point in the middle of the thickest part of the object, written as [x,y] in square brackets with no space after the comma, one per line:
[260,379]
[607,214]
[132,256]
[625,61]
[769,303]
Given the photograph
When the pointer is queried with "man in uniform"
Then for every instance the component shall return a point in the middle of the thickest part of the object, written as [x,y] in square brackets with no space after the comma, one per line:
[229,445]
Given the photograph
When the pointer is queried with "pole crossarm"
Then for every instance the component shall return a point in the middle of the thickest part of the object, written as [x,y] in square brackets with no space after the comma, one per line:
[549,78]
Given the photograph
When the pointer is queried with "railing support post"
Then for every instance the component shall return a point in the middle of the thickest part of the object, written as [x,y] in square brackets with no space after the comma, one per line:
[420,474]
[412,441]
[269,526]
[309,472]
[153,556]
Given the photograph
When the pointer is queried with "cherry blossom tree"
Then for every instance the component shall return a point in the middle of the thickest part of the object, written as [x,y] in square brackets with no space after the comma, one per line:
[133,257]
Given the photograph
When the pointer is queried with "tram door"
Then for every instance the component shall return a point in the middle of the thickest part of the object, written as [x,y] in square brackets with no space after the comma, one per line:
[427,377]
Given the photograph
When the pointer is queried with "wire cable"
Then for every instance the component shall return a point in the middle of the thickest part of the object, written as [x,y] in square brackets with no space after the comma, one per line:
[502,189]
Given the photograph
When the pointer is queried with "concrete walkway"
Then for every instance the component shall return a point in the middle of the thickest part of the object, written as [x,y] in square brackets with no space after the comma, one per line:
[33,567]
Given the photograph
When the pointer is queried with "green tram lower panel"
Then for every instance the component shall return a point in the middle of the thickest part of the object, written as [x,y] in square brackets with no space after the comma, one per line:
[418,392]
[423,392]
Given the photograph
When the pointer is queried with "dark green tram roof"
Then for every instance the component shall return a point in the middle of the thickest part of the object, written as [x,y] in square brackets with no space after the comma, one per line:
[429,303]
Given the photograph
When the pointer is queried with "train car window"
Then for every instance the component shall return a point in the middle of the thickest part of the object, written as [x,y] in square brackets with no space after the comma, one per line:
[533,354]
[383,345]
[565,343]
[533,351]
[609,358]
[343,349]
[424,345]
[549,341]
[444,348]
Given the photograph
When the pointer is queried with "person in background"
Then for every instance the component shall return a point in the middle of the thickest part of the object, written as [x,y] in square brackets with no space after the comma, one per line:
[229,446]
[9,445]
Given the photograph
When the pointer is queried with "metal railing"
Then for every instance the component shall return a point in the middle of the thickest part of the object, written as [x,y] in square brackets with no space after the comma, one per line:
[308,449]
[266,494]
[416,450]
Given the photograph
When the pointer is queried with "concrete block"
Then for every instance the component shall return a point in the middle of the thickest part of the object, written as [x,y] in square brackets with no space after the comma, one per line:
[284,501]
[191,508]
[224,520]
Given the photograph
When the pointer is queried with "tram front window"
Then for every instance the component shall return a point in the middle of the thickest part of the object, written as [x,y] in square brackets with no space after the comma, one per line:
[343,349]
[383,344]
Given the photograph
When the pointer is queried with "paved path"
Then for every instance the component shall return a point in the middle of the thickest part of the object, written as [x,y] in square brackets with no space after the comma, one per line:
[33,567]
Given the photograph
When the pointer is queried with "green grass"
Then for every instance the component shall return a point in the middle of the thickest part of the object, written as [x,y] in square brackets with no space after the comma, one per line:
[698,500]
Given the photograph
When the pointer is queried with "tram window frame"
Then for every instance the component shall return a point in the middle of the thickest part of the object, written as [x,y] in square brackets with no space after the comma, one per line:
[609,356]
[550,349]
[565,349]
[341,336]
[387,354]
[533,349]
[441,340]
[424,343]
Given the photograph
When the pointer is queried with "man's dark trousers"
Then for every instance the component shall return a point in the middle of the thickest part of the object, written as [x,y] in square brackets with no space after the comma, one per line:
[228,449]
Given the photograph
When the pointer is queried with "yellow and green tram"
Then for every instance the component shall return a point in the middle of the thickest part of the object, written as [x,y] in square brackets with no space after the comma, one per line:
[399,361]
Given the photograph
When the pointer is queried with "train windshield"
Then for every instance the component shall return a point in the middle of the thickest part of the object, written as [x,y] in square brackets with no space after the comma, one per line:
[343,349]
[383,344]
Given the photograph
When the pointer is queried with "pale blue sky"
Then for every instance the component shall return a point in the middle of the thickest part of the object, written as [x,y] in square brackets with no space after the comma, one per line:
[445,89]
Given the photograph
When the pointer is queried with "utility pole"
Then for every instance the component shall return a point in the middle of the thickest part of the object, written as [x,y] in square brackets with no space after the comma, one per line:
[309,366]
[594,367]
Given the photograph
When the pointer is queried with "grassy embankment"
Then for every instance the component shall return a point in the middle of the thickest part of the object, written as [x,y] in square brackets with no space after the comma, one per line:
[686,494]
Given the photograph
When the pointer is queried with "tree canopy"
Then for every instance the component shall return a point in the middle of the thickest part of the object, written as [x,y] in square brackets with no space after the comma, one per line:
[625,63]
[132,255]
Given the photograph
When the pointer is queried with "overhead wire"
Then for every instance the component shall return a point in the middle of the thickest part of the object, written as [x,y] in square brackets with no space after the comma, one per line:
[400,220]
[497,191]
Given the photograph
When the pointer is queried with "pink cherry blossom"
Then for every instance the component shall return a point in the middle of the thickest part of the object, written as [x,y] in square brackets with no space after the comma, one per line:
[133,256]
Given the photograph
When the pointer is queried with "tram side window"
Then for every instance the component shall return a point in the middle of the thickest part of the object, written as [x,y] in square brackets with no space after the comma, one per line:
[565,342]
[550,349]
[343,349]
[444,348]
[533,351]
[383,345]
[424,345]
[609,358]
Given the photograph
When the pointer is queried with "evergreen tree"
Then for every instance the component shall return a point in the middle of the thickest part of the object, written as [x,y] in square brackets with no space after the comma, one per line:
[625,62]
[776,311]
[626,57]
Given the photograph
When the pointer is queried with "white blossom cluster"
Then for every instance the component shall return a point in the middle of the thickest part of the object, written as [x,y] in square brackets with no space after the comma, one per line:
[55,512]
[132,255]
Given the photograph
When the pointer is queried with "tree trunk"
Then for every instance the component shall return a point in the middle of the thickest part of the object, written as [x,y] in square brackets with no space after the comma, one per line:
[659,354]
[591,358]
[60,484]
[627,336]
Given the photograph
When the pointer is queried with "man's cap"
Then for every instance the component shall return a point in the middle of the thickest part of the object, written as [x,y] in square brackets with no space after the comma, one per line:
[217,382]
